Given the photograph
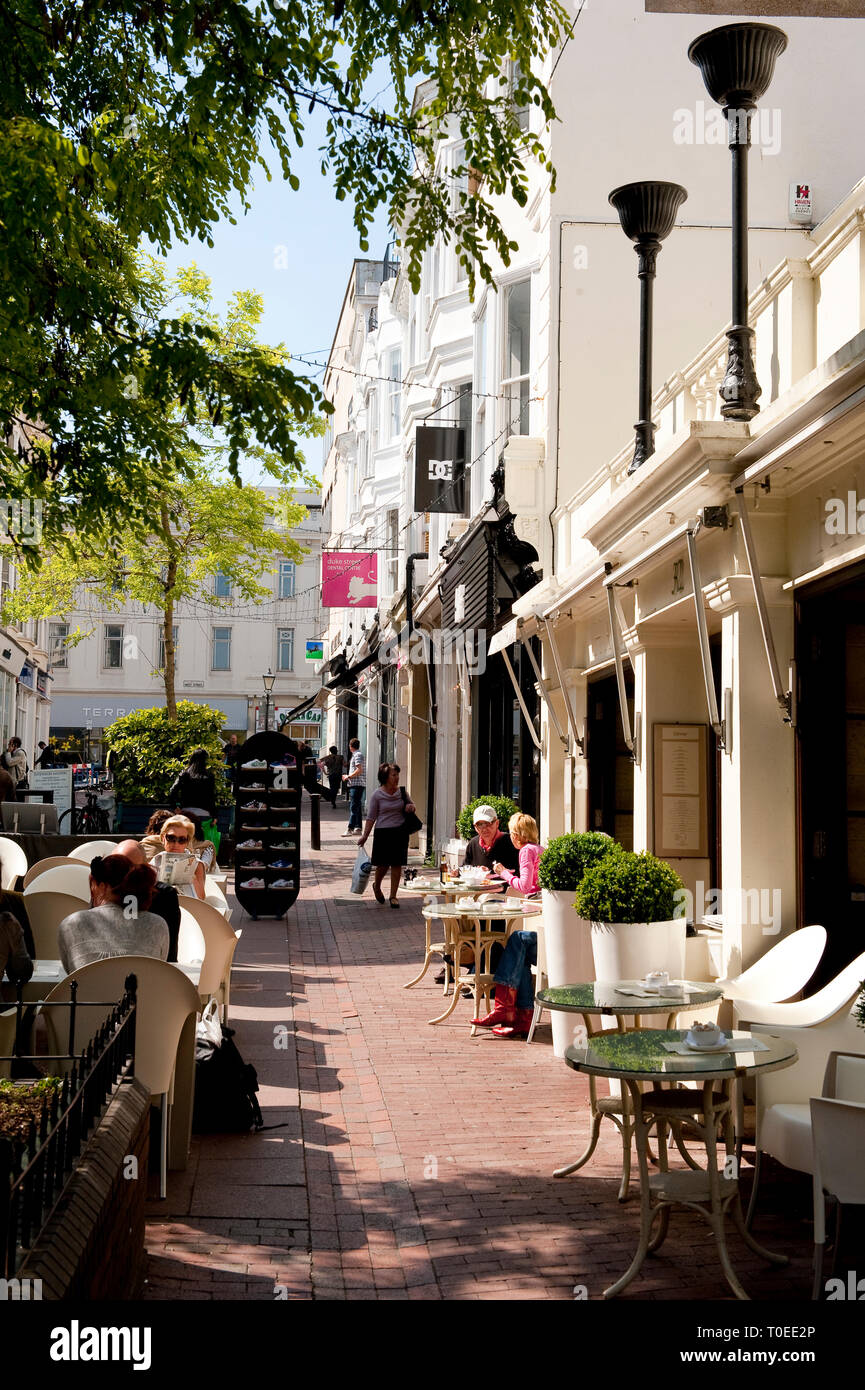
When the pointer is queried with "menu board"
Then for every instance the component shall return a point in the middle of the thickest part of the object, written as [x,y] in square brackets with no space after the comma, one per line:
[681,791]
[54,779]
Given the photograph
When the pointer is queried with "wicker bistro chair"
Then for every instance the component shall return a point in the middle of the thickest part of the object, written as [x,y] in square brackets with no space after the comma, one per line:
[462,928]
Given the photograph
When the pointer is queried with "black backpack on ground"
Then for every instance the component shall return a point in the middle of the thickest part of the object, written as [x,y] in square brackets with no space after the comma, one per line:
[225,1088]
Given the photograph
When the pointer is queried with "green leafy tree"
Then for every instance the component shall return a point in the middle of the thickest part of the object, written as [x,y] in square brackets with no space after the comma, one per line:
[149,750]
[194,520]
[146,119]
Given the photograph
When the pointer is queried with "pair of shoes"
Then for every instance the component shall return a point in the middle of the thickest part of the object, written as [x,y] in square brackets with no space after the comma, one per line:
[394,903]
[467,993]
[377,894]
[504,1011]
[519,1028]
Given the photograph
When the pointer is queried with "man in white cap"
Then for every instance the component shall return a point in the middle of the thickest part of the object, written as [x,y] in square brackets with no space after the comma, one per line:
[490,844]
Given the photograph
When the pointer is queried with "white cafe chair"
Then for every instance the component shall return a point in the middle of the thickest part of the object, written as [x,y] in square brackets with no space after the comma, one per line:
[838,1134]
[73,879]
[13,863]
[165,999]
[783,971]
[818,1026]
[45,912]
[53,861]
[220,940]
[87,853]
[541,981]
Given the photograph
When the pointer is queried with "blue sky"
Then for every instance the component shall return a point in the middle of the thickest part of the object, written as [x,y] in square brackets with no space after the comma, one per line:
[303,298]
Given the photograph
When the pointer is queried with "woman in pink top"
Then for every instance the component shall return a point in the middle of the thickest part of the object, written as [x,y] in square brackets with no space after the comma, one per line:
[524,837]
[515,993]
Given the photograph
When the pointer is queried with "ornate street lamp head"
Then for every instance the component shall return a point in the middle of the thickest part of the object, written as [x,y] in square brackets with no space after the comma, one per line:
[647,210]
[737,61]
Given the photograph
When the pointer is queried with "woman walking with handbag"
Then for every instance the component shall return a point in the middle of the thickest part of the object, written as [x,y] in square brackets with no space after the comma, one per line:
[394,816]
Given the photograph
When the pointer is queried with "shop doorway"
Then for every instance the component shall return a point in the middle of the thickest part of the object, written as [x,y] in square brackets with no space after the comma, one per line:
[830,661]
[507,761]
[611,766]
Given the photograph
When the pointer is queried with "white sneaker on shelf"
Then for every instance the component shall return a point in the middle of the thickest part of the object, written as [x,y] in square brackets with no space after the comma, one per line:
[253,883]
[256,763]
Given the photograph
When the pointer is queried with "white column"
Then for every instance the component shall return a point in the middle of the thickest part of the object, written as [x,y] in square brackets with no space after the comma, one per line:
[758,812]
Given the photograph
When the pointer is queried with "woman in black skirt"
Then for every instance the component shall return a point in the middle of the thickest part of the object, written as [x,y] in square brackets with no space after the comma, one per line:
[387,810]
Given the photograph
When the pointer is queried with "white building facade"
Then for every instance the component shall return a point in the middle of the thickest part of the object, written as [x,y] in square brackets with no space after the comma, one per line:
[223,652]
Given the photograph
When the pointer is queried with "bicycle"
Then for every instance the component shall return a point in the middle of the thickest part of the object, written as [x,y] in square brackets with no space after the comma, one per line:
[89,819]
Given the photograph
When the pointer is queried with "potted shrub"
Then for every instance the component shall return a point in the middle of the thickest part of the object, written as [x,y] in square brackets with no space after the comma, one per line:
[567,936]
[638,922]
[149,750]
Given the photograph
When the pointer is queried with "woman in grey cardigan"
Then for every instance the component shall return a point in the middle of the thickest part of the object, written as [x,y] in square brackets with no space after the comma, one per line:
[118,922]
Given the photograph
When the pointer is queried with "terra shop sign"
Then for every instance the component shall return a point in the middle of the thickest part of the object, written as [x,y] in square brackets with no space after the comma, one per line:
[349,579]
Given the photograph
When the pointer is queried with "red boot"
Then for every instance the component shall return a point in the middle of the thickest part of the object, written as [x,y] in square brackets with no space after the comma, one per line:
[519,1027]
[504,1010]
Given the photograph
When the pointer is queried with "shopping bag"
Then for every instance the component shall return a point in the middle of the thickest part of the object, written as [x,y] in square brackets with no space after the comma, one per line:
[210,832]
[208,1031]
[362,871]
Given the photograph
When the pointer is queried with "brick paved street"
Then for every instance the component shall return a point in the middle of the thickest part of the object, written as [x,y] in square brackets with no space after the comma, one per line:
[413,1162]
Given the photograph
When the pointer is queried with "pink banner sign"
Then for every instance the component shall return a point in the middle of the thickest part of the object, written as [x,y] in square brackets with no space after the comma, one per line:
[349,579]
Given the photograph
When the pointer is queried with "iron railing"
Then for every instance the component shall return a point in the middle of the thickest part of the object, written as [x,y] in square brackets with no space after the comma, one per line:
[34,1171]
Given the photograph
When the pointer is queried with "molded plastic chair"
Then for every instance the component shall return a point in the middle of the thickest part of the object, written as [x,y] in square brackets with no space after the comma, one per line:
[818,1027]
[783,971]
[838,1135]
[191,947]
[54,861]
[73,879]
[220,941]
[13,863]
[88,852]
[165,999]
[45,912]
[807,1013]
[541,981]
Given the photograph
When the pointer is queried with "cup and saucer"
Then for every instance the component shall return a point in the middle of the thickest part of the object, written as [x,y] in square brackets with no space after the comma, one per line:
[706,1037]
[656,982]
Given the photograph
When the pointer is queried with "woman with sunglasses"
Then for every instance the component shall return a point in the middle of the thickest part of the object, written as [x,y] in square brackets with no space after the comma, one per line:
[177,836]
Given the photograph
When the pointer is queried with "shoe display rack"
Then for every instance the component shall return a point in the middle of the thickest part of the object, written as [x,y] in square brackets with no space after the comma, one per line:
[268,794]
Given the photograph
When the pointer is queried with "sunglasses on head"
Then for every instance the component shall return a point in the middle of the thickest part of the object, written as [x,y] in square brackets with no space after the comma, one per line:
[177,839]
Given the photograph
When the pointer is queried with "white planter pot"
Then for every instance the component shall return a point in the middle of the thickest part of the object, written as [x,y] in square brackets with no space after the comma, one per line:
[568,950]
[629,950]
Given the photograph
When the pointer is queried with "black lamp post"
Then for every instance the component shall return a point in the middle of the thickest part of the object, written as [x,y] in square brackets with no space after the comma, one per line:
[267,681]
[737,62]
[647,212]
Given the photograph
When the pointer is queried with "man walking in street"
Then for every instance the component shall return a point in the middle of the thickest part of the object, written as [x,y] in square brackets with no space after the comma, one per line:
[355,779]
[15,761]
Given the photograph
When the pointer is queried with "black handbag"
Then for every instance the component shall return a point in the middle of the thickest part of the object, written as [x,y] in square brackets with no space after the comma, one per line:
[413,823]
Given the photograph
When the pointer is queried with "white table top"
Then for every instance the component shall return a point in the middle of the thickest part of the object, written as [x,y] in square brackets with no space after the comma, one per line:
[50,972]
[508,907]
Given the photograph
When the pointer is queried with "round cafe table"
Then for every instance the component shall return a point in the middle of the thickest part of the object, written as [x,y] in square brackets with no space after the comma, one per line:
[620,999]
[428,889]
[656,1057]
[462,924]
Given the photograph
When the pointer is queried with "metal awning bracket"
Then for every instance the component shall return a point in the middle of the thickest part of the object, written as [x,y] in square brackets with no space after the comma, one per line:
[545,696]
[631,739]
[520,700]
[569,709]
[715,720]
[783,697]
